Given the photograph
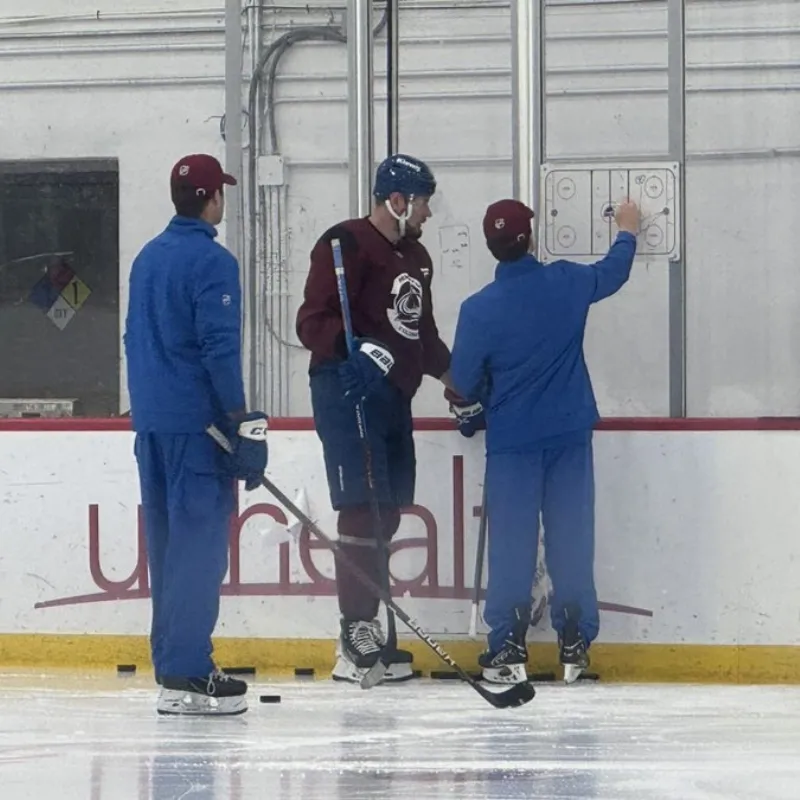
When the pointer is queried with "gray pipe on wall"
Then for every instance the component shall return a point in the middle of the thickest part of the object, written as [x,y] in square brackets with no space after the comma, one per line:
[360,129]
[392,76]
[527,99]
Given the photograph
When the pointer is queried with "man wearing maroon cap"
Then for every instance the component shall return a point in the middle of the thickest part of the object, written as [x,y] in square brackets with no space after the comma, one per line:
[197,188]
[518,351]
[182,344]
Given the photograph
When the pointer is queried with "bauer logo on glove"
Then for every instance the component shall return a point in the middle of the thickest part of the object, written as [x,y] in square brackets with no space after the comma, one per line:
[378,353]
[368,364]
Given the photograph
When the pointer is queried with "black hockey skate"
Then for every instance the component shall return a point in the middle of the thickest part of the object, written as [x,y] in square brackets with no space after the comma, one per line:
[509,665]
[358,649]
[400,661]
[574,654]
[217,695]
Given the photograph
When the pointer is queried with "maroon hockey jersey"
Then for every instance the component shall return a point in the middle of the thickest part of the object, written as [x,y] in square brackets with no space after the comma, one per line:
[389,288]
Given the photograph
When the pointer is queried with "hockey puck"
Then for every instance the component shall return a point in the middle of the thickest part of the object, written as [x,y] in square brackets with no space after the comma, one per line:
[270,698]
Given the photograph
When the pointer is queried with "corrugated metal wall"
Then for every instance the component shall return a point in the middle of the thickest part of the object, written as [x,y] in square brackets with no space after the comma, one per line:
[147,87]
[743,140]
[743,143]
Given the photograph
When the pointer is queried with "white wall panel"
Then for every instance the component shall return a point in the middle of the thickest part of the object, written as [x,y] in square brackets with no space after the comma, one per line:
[146,85]
[696,539]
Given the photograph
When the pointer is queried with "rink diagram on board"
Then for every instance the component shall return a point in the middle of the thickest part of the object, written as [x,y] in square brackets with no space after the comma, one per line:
[97,737]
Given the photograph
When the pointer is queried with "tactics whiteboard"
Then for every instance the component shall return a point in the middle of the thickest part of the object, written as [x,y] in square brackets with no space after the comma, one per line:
[577,208]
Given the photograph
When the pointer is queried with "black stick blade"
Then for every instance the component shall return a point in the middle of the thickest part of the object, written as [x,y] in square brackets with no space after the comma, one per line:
[518,695]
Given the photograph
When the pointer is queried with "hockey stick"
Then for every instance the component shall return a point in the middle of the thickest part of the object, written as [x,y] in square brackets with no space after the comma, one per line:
[517,695]
[479,556]
[541,578]
[375,673]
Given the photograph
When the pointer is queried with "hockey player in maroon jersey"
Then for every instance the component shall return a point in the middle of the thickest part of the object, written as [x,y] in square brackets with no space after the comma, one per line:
[388,276]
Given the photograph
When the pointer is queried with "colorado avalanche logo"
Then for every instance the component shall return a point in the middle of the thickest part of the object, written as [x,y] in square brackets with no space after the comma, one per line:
[406,309]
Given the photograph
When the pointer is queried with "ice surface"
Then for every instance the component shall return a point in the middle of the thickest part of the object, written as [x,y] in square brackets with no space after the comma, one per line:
[97,737]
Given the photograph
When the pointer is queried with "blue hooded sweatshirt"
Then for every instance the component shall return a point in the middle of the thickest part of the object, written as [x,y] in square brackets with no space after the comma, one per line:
[183,331]
[519,346]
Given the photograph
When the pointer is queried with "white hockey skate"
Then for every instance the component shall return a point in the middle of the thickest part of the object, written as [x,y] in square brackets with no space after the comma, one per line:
[510,664]
[574,669]
[359,647]
[574,654]
[218,695]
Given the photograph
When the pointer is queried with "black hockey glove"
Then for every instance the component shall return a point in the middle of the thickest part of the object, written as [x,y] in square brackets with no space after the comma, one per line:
[367,366]
[250,451]
[470,416]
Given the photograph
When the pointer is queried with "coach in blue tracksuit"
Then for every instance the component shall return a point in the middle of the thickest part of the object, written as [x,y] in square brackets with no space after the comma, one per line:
[182,343]
[521,339]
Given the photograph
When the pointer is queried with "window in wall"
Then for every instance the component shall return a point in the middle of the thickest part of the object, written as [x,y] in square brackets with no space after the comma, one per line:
[59,283]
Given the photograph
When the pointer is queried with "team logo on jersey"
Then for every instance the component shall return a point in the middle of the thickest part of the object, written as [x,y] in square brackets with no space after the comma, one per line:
[406,310]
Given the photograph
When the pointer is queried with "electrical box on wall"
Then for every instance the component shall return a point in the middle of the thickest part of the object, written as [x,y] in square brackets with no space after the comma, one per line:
[271,171]
[577,202]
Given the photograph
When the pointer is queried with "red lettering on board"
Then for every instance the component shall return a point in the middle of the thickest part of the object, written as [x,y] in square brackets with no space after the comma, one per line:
[139,577]
[425,584]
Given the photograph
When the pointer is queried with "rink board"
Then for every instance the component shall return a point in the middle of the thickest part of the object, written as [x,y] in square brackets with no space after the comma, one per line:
[697,553]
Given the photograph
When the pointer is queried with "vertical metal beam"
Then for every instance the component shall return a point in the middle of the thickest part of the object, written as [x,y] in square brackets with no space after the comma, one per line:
[234,195]
[528,97]
[360,77]
[676,60]
[261,349]
[233,124]
[392,76]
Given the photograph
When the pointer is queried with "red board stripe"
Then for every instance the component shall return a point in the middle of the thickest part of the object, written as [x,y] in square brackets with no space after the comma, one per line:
[438,424]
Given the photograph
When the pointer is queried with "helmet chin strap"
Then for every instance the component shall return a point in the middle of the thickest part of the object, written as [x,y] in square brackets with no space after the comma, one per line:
[403,218]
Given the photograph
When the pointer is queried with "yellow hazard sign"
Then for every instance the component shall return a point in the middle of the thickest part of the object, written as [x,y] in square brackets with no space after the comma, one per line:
[76,292]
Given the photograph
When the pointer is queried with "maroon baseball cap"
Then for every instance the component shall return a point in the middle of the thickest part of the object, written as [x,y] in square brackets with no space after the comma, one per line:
[507,222]
[202,172]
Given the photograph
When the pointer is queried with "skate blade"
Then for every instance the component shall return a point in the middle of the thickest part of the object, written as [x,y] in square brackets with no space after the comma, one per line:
[346,672]
[398,673]
[572,672]
[191,704]
[506,676]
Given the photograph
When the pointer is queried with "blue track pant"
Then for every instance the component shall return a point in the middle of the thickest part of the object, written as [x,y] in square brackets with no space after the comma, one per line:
[558,482]
[187,503]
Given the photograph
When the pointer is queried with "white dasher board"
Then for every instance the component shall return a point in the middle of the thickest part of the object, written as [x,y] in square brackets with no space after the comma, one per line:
[577,208]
